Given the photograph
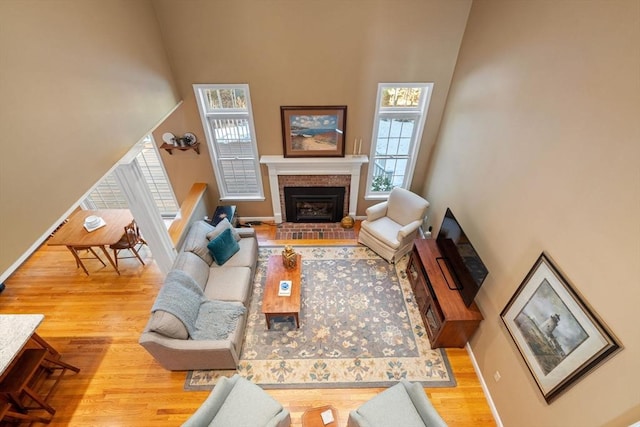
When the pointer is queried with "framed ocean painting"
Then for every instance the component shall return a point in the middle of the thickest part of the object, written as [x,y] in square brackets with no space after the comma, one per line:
[314,131]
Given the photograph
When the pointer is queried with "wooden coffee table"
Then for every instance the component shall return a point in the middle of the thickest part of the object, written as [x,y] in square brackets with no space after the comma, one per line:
[312,418]
[274,305]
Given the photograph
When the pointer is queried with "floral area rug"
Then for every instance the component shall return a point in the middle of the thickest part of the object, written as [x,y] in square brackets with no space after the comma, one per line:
[359,327]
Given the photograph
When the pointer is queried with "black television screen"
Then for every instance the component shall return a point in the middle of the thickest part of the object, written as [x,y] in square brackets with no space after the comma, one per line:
[461,258]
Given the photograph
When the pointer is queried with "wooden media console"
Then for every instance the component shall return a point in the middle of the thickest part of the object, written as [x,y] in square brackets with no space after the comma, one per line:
[448,321]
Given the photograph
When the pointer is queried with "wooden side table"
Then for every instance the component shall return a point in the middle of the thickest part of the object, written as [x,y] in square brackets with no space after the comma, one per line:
[312,418]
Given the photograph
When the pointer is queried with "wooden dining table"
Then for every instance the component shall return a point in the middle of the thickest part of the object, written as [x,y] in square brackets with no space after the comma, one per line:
[74,235]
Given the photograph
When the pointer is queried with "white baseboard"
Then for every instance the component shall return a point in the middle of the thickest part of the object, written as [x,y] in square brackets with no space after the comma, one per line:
[485,389]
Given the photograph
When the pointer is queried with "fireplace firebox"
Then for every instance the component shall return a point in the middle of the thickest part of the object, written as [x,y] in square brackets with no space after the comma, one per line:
[314,204]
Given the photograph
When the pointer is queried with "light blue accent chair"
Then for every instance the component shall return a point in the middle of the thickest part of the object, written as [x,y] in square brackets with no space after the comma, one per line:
[404,404]
[238,402]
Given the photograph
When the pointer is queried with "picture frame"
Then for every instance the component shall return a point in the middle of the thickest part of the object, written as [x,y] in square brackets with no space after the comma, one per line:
[317,131]
[560,338]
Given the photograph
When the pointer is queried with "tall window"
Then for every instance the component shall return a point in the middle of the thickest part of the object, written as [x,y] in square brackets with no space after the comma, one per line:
[226,116]
[401,111]
[107,194]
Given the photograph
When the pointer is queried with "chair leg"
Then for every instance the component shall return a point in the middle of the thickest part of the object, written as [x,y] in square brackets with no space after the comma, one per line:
[135,252]
[44,405]
[62,365]
[115,257]
[96,255]
[9,413]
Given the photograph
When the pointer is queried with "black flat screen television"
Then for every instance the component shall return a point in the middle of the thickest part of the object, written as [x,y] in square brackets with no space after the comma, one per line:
[466,267]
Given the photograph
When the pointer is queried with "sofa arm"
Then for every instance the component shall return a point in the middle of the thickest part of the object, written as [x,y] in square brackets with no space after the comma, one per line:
[246,232]
[183,355]
[376,211]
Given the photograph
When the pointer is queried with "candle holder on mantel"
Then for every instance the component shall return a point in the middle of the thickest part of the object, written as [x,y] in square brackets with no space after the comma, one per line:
[289,257]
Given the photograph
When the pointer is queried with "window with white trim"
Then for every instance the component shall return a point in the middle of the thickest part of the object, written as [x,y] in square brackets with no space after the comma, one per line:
[401,112]
[107,194]
[227,118]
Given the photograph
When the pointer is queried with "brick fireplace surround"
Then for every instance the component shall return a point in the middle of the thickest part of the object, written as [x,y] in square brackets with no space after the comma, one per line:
[313,172]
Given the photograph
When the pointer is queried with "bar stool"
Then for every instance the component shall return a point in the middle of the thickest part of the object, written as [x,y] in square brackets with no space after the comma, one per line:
[17,383]
[7,413]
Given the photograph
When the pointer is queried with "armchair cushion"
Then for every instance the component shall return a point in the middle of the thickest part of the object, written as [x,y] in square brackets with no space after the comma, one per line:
[385,230]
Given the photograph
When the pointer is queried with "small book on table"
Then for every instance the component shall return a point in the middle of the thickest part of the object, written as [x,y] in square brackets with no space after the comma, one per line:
[284,289]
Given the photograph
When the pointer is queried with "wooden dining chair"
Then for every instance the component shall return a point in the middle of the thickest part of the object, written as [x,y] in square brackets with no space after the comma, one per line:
[131,240]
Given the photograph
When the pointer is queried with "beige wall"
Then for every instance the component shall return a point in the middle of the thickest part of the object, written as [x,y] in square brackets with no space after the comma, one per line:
[291,52]
[81,82]
[539,151]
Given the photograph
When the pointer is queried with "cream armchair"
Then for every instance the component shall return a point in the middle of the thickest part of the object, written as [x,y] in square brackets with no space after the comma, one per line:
[392,226]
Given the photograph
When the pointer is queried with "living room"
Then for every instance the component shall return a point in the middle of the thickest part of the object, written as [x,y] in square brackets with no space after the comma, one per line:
[531,135]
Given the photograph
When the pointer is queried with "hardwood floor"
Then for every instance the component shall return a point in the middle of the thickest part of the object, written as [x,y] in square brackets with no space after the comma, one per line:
[95,322]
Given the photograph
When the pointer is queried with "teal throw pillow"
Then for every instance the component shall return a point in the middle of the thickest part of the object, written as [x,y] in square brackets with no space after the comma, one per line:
[223,247]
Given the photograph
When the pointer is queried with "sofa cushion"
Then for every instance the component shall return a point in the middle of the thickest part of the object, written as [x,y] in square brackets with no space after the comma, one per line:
[223,247]
[229,284]
[220,227]
[165,323]
[192,265]
[246,405]
[196,240]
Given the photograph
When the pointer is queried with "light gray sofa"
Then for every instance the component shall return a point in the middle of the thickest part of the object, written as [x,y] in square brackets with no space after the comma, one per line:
[240,403]
[166,337]
[404,404]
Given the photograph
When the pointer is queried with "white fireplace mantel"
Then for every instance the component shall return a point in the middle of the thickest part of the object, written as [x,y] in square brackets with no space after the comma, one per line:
[280,165]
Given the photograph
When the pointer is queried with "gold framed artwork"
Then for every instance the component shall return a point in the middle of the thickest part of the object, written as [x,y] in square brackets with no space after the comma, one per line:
[314,131]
